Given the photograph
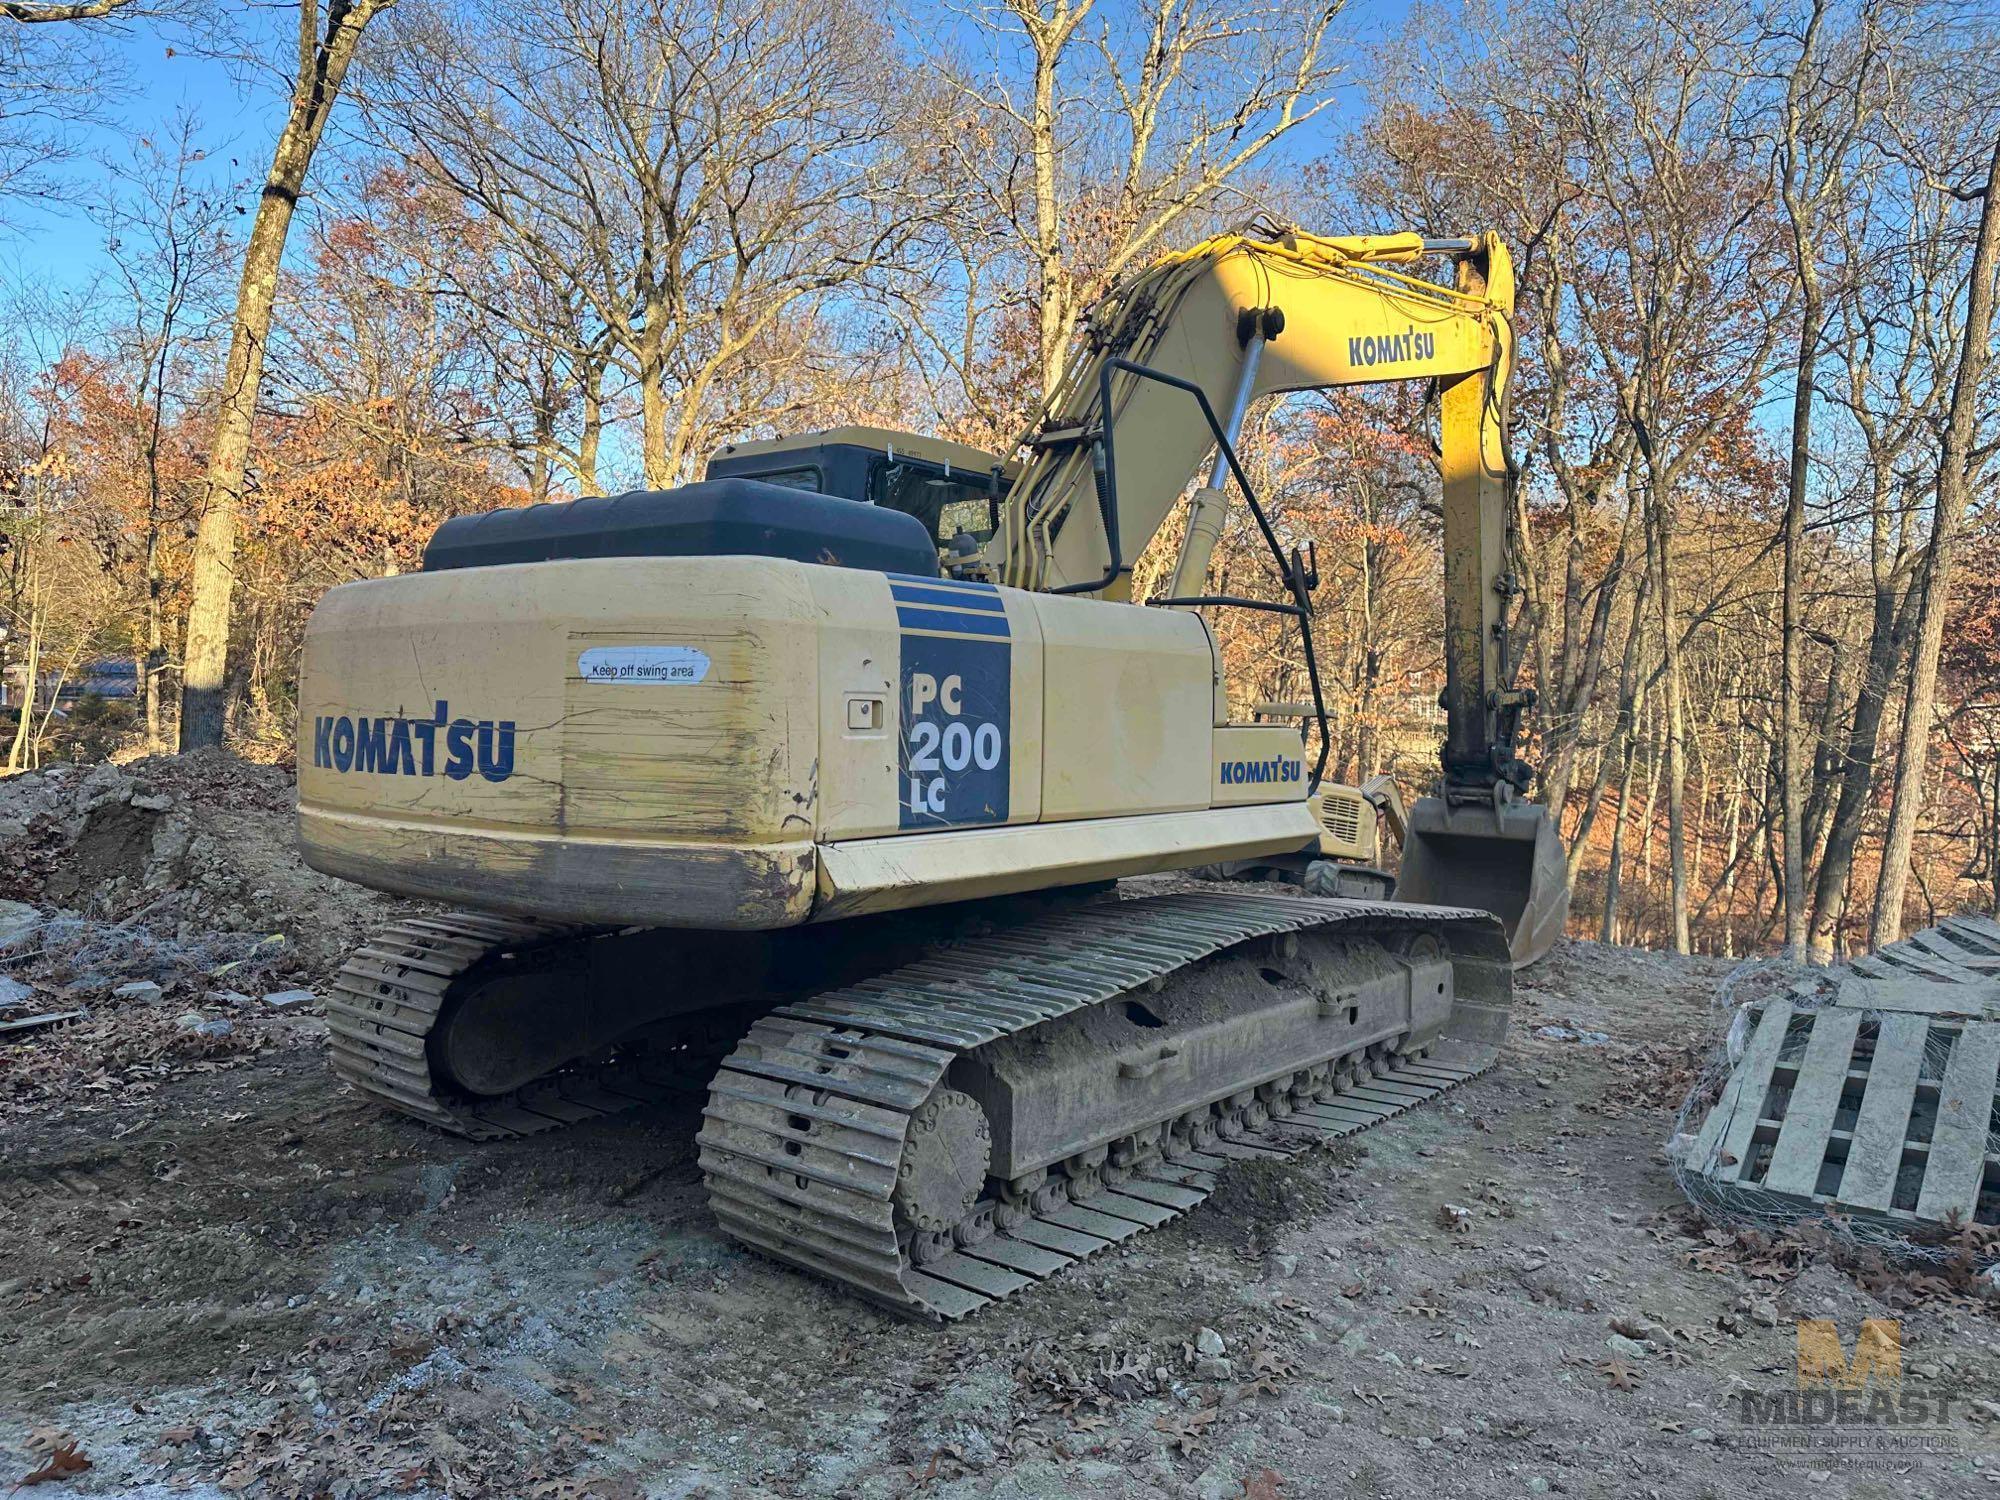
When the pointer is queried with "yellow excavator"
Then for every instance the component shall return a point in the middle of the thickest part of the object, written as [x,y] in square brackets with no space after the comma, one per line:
[831,802]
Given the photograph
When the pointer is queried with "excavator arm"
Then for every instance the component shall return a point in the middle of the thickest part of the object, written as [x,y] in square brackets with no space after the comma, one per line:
[1240,317]
[1172,359]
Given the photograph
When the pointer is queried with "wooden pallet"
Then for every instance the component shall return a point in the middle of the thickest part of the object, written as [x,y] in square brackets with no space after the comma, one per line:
[1880,1101]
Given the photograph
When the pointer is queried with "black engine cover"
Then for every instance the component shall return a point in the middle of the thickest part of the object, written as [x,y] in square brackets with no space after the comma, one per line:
[715,518]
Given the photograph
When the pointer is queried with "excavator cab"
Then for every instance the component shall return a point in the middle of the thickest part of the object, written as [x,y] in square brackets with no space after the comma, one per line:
[953,489]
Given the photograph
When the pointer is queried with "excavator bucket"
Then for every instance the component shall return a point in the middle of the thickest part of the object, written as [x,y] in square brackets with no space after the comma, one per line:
[1506,860]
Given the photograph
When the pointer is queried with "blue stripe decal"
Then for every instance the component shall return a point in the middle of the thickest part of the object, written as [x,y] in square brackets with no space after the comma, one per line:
[968,585]
[964,623]
[910,593]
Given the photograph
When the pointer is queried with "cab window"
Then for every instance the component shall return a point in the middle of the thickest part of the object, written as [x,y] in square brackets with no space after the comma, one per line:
[947,503]
[806,477]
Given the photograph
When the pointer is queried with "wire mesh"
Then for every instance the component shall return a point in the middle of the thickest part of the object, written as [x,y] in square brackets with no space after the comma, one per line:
[1745,1203]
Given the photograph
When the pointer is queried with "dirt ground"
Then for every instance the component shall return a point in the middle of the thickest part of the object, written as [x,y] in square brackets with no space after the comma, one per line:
[221,1274]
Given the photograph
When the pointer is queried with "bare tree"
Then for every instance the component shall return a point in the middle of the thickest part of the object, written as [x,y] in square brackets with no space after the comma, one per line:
[1114,130]
[1955,474]
[1890,333]
[1833,78]
[696,175]
[324,56]
[167,242]
[1685,330]
[55,76]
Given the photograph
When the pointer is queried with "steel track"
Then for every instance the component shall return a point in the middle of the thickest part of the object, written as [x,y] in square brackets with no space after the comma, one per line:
[390,994]
[807,1120]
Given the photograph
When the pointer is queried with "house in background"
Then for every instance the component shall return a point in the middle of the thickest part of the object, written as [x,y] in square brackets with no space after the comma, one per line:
[108,678]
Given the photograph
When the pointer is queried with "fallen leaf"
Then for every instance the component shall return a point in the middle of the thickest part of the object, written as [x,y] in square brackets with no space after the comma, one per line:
[63,1463]
[1184,1431]
[1425,1367]
[1620,1376]
[1262,1485]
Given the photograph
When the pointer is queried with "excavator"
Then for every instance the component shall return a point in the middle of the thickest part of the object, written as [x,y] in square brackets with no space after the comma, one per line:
[826,784]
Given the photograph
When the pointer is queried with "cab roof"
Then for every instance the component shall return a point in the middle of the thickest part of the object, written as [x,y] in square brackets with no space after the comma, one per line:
[934,450]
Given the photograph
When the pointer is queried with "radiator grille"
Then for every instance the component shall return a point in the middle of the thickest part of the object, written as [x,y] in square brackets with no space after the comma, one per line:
[1340,815]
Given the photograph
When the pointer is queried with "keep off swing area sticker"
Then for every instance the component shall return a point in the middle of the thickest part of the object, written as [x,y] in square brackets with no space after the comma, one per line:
[652,666]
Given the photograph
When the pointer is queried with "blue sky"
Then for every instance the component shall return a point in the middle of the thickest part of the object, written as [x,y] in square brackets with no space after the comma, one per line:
[57,242]
[162,75]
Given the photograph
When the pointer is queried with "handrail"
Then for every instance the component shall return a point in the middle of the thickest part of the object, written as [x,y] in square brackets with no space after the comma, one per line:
[1293,571]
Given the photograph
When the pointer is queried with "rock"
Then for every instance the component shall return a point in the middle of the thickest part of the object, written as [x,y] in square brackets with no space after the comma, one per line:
[286,999]
[228,997]
[1573,1034]
[153,802]
[1217,1484]
[1354,1340]
[142,990]
[1764,1314]
[13,992]
[1538,1486]
[1286,1265]
[1645,1330]
[1208,1341]
[1211,1367]
[197,1024]
[1627,1348]
[1702,1435]
[18,922]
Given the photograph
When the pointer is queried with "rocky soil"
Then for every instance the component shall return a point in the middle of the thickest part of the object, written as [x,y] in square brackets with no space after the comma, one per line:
[222,1275]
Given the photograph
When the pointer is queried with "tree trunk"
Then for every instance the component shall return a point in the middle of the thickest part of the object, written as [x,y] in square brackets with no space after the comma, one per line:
[653,456]
[1629,672]
[1608,925]
[1954,484]
[592,434]
[156,653]
[1887,632]
[1791,790]
[1676,725]
[17,753]
[323,68]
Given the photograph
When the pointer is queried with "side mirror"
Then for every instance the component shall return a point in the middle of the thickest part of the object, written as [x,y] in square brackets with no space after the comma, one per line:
[1305,566]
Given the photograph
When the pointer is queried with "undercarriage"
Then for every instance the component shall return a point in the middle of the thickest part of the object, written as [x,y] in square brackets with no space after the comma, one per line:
[939,1109]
